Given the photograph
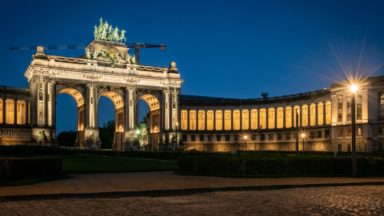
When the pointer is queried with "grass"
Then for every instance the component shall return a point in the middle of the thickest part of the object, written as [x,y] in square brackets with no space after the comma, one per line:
[83,163]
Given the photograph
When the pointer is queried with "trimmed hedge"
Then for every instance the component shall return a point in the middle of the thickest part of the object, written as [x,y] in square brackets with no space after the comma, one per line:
[237,166]
[28,168]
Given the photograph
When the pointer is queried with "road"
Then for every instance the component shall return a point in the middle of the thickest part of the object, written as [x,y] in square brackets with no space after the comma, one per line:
[350,200]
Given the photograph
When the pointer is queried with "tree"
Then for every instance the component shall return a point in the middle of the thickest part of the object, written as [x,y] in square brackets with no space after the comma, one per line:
[106,134]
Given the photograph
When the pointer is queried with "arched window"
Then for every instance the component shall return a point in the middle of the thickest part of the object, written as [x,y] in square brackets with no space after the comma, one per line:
[320,113]
[312,114]
[254,119]
[263,118]
[192,120]
[227,120]
[328,112]
[219,120]
[236,119]
[280,117]
[288,117]
[201,120]
[210,120]
[245,119]
[184,120]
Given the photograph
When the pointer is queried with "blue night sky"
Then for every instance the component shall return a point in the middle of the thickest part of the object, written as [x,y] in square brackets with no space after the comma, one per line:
[222,48]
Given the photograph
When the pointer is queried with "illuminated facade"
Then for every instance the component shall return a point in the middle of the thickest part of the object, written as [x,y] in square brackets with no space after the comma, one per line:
[272,123]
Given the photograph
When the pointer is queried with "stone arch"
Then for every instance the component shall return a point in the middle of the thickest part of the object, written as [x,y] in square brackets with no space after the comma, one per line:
[77,95]
[152,99]
[117,99]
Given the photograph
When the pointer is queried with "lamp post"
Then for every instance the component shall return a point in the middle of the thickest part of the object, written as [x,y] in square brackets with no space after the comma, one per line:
[353,88]
[303,138]
[245,137]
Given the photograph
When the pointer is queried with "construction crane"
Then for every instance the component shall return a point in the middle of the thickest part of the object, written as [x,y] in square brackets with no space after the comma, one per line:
[136,46]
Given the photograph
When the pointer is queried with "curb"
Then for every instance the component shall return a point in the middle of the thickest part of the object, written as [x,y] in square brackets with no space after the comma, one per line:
[173,192]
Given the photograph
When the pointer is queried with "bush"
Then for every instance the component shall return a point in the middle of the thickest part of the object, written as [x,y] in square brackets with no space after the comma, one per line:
[67,138]
[26,168]
[235,165]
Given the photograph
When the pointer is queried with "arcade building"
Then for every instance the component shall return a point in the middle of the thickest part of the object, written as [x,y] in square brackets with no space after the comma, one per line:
[314,121]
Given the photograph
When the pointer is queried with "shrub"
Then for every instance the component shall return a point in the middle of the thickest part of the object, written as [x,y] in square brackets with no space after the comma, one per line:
[24,168]
[235,165]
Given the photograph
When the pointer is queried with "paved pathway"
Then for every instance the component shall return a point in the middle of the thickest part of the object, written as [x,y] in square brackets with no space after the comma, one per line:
[145,181]
[357,200]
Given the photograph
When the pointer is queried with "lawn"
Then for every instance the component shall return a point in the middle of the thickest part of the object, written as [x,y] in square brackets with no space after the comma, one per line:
[98,164]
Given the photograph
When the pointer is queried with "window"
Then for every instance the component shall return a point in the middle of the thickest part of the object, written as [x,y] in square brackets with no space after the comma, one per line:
[219,120]
[328,109]
[218,137]
[184,138]
[326,134]
[192,120]
[349,108]
[201,120]
[210,120]
[288,117]
[280,117]
[270,136]
[339,132]
[10,111]
[271,118]
[319,134]
[262,137]
[209,138]
[201,137]
[245,119]
[263,118]
[184,120]
[236,119]
[312,115]
[287,136]
[193,138]
[340,108]
[253,137]
[279,136]
[381,106]
[236,137]
[254,119]
[227,120]
[359,107]
[227,138]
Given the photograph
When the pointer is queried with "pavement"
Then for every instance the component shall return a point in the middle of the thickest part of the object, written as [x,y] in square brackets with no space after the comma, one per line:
[164,184]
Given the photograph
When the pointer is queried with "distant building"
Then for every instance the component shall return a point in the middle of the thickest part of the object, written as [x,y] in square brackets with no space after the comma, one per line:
[269,123]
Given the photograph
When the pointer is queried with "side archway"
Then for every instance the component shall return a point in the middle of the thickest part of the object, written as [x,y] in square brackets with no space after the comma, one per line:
[77,95]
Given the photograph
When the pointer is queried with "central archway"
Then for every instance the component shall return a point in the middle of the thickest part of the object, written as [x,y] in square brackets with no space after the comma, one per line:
[118,102]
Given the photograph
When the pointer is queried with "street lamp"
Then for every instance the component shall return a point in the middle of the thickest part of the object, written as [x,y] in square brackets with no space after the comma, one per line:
[245,137]
[353,88]
[303,137]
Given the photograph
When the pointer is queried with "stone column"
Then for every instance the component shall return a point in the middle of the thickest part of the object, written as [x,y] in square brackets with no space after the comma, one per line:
[27,112]
[166,107]
[324,113]
[131,91]
[175,108]
[91,107]
[51,101]
[284,123]
[15,111]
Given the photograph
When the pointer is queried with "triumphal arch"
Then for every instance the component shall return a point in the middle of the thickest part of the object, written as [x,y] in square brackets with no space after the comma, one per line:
[106,69]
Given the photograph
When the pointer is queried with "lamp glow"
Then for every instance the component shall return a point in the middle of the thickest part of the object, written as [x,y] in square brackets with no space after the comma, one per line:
[302,135]
[354,88]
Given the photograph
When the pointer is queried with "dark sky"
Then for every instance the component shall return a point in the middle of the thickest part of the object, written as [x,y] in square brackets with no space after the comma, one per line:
[222,48]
